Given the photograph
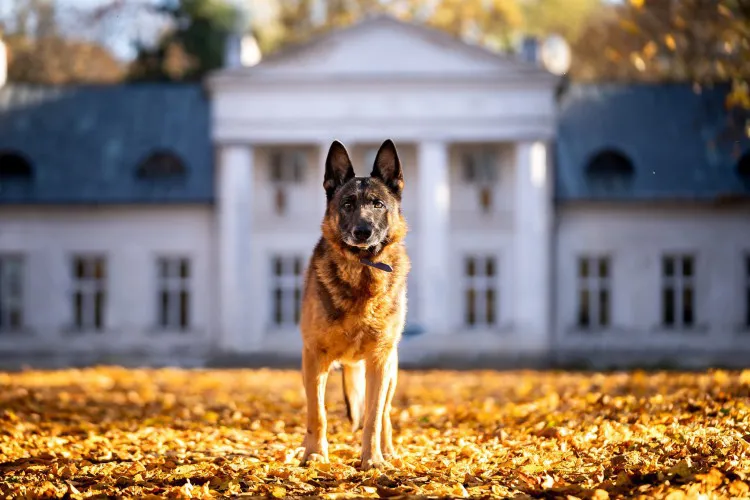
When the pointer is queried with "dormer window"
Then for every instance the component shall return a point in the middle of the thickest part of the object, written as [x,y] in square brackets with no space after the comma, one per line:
[609,171]
[285,166]
[161,165]
[15,167]
[479,168]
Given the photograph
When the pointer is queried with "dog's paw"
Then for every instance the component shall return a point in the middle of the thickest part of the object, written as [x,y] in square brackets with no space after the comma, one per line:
[316,453]
[372,463]
[308,459]
[391,455]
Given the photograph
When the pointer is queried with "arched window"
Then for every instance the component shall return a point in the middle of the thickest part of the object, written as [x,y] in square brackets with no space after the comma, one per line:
[610,170]
[743,168]
[15,166]
[161,165]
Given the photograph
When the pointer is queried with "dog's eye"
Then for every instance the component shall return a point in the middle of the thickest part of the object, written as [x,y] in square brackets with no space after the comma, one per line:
[378,204]
[348,205]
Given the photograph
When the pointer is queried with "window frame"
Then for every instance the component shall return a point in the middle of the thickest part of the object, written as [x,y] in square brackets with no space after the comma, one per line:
[291,165]
[484,317]
[678,282]
[285,290]
[593,283]
[178,290]
[9,301]
[92,290]
[485,173]
[487,158]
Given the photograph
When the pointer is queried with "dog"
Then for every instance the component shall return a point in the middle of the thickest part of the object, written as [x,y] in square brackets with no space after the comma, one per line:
[354,302]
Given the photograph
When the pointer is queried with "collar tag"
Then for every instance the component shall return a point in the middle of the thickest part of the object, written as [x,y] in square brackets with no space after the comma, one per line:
[376,265]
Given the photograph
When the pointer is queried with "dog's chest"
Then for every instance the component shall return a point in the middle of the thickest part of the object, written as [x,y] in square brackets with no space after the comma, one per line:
[353,345]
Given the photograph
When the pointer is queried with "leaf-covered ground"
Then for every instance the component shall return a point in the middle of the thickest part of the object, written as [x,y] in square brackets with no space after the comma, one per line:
[175,433]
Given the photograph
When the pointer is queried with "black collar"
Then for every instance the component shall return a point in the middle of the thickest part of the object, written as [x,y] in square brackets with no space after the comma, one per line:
[376,265]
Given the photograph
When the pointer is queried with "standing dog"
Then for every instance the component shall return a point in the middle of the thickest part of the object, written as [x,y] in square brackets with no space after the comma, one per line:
[354,301]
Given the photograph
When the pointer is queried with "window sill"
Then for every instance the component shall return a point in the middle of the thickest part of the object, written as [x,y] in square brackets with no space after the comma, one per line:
[599,331]
[700,329]
[502,329]
[17,332]
[77,332]
[174,332]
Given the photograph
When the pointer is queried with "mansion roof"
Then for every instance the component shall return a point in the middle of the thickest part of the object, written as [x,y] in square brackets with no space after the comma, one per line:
[151,143]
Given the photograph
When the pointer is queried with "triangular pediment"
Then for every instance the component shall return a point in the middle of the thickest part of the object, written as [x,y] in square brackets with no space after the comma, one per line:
[386,47]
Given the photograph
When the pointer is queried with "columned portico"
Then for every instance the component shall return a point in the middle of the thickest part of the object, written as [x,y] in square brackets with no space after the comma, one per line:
[532,262]
[433,264]
[234,251]
[385,79]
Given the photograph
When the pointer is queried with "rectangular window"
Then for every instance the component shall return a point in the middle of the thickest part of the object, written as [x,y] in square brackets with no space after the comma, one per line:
[479,167]
[593,293]
[89,292]
[173,293]
[287,165]
[678,291]
[11,292]
[480,291]
[286,290]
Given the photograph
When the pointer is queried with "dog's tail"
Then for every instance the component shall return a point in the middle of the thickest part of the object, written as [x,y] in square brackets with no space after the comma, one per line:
[354,392]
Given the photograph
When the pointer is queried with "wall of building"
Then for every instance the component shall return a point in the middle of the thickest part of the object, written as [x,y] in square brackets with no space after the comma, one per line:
[635,238]
[131,239]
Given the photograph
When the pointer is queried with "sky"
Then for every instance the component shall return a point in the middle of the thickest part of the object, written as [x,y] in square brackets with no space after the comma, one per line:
[121,29]
[131,23]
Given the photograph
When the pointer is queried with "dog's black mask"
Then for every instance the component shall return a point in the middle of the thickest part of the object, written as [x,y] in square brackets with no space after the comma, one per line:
[364,205]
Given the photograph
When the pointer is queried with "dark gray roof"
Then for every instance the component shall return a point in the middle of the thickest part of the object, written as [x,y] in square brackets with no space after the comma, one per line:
[682,143]
[85,142]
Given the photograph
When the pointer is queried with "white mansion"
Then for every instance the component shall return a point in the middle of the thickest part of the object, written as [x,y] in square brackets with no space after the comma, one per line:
[172,223]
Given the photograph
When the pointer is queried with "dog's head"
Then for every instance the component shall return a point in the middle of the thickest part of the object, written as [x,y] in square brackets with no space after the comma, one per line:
[364,213]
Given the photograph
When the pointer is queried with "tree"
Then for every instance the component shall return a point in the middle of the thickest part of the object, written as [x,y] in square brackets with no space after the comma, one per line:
[702,41]
[194,46]
[54,60]
[493,23]
[38,51]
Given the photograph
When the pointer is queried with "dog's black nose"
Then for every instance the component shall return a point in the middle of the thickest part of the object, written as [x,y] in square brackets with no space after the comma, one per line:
[362,233]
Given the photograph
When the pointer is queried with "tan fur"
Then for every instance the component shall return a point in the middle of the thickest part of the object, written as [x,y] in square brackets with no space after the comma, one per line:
[354,314]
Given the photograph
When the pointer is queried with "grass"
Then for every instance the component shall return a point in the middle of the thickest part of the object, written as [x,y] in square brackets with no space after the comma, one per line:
[227,433]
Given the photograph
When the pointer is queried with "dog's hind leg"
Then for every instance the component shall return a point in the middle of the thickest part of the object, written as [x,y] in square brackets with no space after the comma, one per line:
[354,392]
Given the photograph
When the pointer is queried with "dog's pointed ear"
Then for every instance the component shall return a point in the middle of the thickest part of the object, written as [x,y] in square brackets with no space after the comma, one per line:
[338,169]
[387,168]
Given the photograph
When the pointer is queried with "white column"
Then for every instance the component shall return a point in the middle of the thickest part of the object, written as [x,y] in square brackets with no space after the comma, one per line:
[533,228]
[235,216]
[433,257]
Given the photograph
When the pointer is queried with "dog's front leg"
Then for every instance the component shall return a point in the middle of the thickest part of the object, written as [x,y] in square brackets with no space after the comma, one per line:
[315,377]
[389,451]
[376,390]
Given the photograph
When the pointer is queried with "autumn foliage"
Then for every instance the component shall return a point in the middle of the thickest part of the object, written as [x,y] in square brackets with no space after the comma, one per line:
[199,434]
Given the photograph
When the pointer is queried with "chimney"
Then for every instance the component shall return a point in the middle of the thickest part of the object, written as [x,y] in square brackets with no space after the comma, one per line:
[250,54]
[241,47]
[232,51]
[529,50]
